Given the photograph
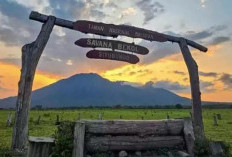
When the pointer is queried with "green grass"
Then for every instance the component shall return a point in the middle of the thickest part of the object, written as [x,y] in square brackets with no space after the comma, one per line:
[47,127]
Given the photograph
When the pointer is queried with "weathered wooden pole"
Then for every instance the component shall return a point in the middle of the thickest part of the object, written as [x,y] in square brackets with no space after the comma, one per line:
[30,57]
[38,120]
[9,120]
[215,120]
[198,126]
[100,116]
[219,117]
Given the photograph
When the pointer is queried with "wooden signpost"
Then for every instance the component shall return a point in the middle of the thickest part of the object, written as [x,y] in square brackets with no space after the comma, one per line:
[116,30]
[31,54]
[112,44]
[113,55]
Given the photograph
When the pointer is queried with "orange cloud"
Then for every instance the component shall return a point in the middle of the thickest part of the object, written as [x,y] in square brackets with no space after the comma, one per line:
[10,76]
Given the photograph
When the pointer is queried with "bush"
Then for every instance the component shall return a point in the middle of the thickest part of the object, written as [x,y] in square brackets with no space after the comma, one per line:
[202,148]
[179,106]
[46,114]
[63,140]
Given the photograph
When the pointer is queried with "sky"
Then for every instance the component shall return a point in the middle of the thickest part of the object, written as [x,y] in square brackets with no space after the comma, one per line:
[207,22]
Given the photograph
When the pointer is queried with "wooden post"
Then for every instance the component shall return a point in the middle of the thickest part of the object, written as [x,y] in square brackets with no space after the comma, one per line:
[38,120]
[9,120]
[79,116]
[191,116]
[189,135]
[57,119]
[120,117]
[100,116]
[79,136]
[30,57]
[219,117]
[215,120]
[198,126]
[40,146]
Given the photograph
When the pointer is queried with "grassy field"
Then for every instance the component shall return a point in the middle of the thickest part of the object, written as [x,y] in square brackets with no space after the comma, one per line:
[47,127]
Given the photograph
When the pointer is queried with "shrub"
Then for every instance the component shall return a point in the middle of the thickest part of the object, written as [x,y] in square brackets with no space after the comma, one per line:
[179,106]
[64,140]
[202,148]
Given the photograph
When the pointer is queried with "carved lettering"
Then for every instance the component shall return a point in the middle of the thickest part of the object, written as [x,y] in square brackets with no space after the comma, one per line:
[111,44]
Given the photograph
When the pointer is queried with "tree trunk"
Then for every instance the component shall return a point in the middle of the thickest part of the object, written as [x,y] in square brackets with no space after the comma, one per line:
[195,90]
[30,57]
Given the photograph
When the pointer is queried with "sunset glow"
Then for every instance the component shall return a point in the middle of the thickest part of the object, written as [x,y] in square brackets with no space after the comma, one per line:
[206,22]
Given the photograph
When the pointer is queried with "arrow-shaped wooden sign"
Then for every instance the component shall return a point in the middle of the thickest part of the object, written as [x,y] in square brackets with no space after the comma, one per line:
[113,55]
[111,44]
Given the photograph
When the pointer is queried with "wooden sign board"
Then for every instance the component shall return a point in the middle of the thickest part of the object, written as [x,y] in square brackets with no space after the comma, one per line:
[116,30]
[111,44]
[113,55]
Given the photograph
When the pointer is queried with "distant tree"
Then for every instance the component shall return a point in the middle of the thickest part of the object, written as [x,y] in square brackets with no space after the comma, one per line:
[38,107]
[179,106]
[118,106]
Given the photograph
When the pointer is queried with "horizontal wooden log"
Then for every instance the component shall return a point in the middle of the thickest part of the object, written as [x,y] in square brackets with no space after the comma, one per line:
[196,45]
[114,143]
[41,139]
[43,18]
[135,127]
[69,24]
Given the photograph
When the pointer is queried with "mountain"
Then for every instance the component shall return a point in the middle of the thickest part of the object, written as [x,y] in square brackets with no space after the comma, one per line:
[93,90]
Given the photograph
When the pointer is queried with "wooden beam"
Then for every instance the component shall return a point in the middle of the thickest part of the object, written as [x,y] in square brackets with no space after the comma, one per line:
[135,143]
[69,24]
[135,127]
[195,90]
[79,138]
[43,18]
[30,58]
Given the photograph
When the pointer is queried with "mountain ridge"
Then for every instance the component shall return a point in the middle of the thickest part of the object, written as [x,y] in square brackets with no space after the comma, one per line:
[90,89]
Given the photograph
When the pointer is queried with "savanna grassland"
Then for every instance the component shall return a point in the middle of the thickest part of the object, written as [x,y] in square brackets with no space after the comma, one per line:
[47,127]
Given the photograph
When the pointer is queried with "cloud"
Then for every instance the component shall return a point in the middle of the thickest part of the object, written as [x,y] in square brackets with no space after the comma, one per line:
[15,61]
[170,85]
[129,11]
[219,40]
[207,86]
[161,50]
[203,3]
[158,51]
[226,79]
[151,9]
[204,34]
[219,28]
[132,73]
[179,72]
[2,88]
[198,35]
[208,74]
[17,30]
[39,5]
